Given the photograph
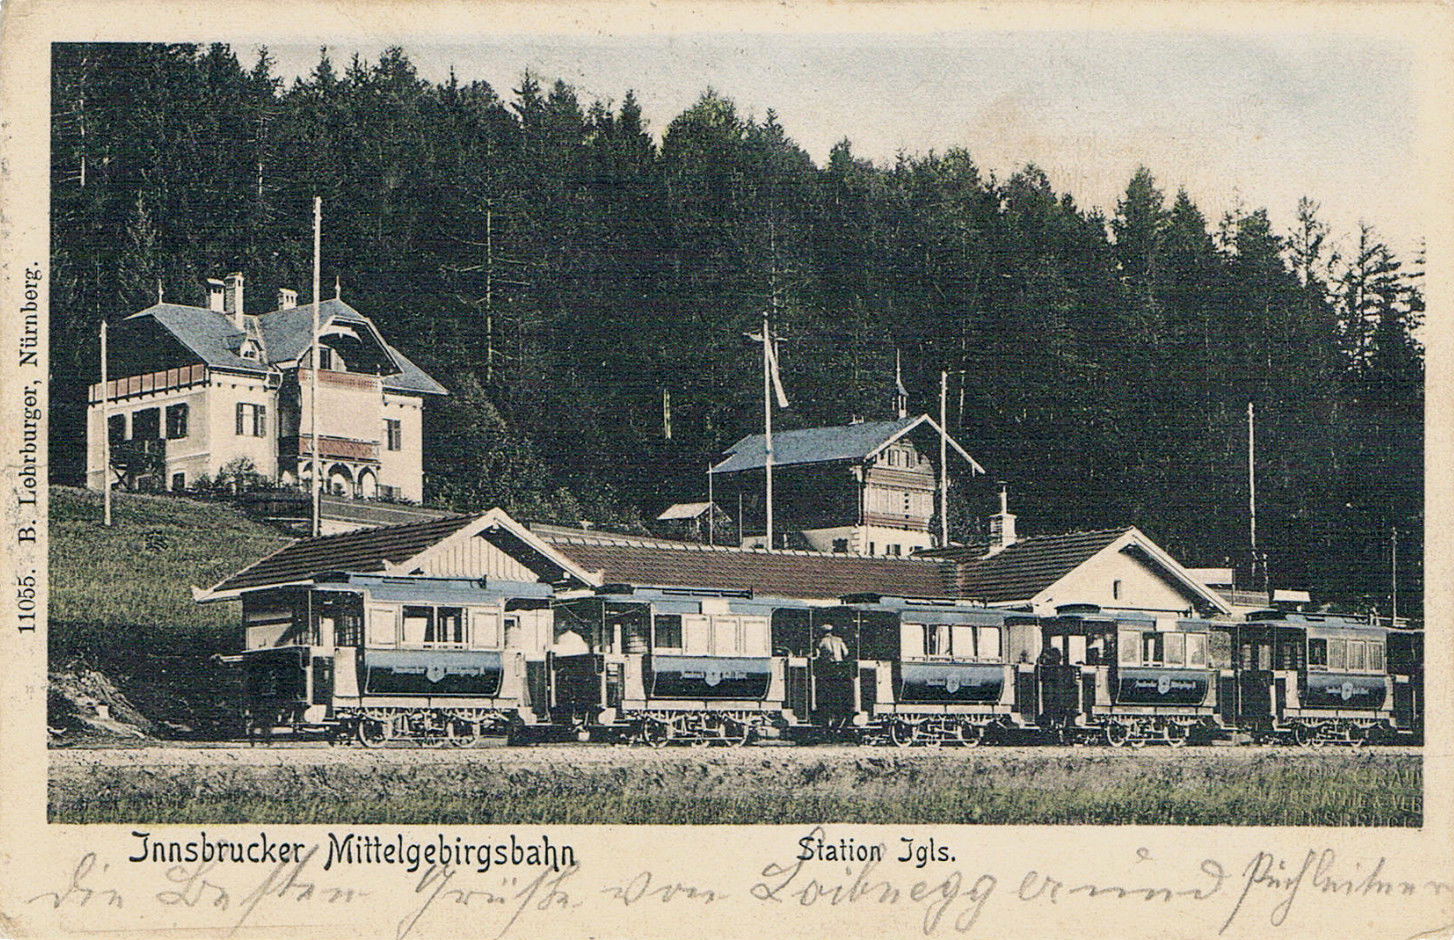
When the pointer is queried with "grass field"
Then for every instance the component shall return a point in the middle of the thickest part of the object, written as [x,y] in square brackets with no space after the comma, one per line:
[1213,786]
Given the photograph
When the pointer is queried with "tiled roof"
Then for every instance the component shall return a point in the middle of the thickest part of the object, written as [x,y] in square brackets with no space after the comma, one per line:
[208,334]
[683,511]
[807,575]
[364,550]
[284,334]
[1027,567]
[812,445]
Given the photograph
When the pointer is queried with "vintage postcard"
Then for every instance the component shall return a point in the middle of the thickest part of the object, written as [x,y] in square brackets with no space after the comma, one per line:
[612,469]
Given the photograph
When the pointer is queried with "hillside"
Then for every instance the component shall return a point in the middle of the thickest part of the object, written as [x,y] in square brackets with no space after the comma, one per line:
[124,630]
[142,569]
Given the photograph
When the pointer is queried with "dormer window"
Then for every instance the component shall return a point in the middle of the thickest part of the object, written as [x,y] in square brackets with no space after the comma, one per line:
[250,350]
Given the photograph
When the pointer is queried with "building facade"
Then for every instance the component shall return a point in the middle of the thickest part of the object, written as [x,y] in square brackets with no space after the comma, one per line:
[868,488]
[207,392]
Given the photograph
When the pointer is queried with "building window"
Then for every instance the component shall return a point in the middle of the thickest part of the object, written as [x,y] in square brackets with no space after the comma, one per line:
[146,425]
[870,548]
[116,428]
[394,430]
[1116,590]
[325,358]
[176,421]
[252,420]
[667,631]
[840,546]
[179,482]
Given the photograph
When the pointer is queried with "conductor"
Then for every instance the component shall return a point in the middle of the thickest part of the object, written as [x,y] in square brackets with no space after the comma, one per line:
[831,646]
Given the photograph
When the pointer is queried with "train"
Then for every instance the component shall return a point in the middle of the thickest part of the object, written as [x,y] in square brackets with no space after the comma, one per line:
[377,659]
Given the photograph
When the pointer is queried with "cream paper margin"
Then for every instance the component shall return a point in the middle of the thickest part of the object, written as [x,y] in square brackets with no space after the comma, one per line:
[36,857]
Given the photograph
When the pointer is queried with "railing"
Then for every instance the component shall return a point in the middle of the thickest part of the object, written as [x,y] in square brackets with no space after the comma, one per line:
[162,381]
[357,381]
[331,448]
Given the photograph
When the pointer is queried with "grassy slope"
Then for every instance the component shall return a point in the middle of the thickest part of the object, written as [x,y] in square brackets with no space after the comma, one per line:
[1199,787]
[141,570]
[121,600]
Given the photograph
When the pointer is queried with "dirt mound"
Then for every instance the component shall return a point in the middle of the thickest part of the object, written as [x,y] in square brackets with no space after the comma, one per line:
[82,703]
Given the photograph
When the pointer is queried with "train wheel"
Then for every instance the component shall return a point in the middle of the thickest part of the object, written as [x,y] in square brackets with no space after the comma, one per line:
[1302,735]
[736,733]
[969,734]
[657,732]
[1117,734]
[1176,734]
[1357,735]
[462,733]
[902,734]
[374,733]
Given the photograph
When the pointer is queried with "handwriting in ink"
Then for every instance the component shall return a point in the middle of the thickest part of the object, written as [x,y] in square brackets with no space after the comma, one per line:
[641,887]
[78,892]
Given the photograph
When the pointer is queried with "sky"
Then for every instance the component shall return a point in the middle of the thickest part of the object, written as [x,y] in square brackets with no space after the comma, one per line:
[1235,119]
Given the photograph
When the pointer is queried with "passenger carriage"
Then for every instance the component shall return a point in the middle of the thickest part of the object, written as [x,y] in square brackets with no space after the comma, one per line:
[1128,678]
[669,665]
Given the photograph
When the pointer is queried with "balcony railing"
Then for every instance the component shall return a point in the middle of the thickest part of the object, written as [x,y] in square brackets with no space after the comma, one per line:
[331,448]
[162,381]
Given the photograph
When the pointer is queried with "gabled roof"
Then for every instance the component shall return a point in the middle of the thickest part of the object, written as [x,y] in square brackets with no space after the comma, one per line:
[683,511]
[208,334]
[1029,568]
[826,445]
[397,548]
[285,335]
[649,562]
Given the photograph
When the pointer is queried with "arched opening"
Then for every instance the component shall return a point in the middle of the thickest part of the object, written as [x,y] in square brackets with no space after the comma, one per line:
[340,480]
[368,484]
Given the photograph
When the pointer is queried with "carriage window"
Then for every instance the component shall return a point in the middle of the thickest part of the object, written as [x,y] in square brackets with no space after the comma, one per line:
[382,626]
[961,643]
[418,625]
[938,635]
[1355,654]
[1151,648]
[755,636]
[667,631]
[989,643]
[1075,649]
[448,627]
[1375,656]
[1264,656]
[1196,649]
[1318,653]
[1130,644]
[1175,646]
[1289,653]
[696,634]
[1337,654]
[1219,649]
[912,639]
[726,637]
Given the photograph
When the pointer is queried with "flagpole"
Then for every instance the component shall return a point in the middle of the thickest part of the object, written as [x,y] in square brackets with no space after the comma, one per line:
[1252,491]
[105,435]
[767,416]
[943,460]
[313,379]
[711,511]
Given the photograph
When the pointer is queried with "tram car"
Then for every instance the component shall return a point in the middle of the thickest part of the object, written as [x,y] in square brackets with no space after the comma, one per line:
[664,665]
[436,660]
[1128,678]
[1316,679]
[940,672]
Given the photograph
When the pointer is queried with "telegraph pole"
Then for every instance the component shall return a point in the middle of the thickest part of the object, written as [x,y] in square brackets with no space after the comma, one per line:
[767,414]
[105,435]
[1252,492]
[1393,538]
[943,460]
[313,379]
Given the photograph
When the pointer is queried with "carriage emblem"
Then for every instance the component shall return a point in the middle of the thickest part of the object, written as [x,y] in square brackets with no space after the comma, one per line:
[951,684]
[1163,685]
[1347,690]
[435,672]
[713,676]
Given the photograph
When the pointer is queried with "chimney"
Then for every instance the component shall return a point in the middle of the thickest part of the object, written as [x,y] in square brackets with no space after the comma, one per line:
[232,299]
[1002,525]
[287,298]
[214,295]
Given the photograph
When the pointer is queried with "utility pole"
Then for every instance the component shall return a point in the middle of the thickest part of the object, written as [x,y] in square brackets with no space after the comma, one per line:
[943,459]
[313,378]
[105,436]
[711,511]
[1393,538]
[1252,494]
[767,413]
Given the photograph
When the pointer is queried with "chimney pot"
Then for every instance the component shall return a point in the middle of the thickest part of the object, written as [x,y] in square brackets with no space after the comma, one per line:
[287,298]
[232,299]
[215,295]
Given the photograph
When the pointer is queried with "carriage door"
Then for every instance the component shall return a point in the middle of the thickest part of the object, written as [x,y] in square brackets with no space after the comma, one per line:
[1254,686]
[834,680]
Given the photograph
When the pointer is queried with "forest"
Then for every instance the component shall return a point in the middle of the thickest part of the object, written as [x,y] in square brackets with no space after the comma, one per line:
[581,283]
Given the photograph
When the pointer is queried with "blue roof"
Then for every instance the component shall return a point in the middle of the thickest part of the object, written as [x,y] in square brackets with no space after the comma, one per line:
[285,335]
[825,445]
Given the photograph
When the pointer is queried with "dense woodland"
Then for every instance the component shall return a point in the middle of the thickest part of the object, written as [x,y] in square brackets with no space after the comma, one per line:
[564,270]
